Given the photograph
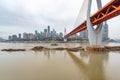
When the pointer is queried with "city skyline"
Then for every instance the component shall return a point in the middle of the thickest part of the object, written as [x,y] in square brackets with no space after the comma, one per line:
[19,15]
[47,33]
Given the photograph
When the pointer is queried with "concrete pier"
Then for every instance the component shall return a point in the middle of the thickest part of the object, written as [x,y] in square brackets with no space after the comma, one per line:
[96,48]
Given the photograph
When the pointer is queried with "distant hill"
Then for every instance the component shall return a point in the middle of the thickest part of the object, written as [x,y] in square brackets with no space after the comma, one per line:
[1,39]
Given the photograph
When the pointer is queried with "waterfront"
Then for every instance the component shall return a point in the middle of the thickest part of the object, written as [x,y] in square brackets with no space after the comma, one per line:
[58,65]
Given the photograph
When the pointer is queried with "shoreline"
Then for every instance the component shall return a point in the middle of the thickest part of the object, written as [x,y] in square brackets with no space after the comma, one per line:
[52,42]
[45,42]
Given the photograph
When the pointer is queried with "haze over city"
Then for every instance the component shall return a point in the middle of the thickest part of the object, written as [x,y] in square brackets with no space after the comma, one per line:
[19,16]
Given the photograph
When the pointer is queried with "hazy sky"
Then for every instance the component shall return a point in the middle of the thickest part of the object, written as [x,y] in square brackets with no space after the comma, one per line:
[18,16]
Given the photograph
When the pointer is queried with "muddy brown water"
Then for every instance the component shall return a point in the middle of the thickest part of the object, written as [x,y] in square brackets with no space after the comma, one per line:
[58,65]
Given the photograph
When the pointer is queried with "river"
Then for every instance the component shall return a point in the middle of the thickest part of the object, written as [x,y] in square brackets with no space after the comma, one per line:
[58,65]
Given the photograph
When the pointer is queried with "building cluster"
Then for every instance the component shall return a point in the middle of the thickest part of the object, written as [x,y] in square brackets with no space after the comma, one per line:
[46,34]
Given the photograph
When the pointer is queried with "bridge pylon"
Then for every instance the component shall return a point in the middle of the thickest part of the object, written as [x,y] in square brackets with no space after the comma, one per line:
[65,39]
[94,34]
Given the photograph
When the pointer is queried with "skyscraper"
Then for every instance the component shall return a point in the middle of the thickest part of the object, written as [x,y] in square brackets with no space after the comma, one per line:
[19,36]
[105,32]
[9,37]
[48,31]
[36,32]
[54,33]
[14,37]
[84,35]
[25,36]
[45,33]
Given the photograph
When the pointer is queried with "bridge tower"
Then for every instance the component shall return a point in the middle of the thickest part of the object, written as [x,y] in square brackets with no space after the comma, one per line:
[94,34]
[64,35]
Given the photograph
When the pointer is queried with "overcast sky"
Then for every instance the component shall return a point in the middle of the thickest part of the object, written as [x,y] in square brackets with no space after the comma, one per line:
[18,16]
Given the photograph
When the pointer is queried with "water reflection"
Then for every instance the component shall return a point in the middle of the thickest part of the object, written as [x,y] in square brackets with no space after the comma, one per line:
[96,66]
[94,69]
[82,67]
[47,53]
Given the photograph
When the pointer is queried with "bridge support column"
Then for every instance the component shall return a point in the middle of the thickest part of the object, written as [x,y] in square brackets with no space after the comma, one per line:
[94,35]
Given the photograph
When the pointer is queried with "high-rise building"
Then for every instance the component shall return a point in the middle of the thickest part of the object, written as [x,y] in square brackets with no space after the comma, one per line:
[84,35]
[48,29]
[54,33]
[45,30]
[36,36]
[75,36]
[105,32]
[19,36]
[14,37]
[45,33]
[61,35]
[25,36]
[36,32]
[9,37]
[28,36]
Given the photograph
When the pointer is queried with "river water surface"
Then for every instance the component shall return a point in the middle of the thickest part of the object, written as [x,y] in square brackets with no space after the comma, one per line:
[58,65]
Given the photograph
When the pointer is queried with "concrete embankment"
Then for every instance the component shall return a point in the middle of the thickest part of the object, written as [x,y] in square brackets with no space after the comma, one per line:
[96,48]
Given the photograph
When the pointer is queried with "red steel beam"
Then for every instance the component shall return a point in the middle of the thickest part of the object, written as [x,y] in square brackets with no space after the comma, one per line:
[110,10]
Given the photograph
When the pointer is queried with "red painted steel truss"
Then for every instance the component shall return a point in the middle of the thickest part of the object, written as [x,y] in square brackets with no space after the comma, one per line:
[110,10]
